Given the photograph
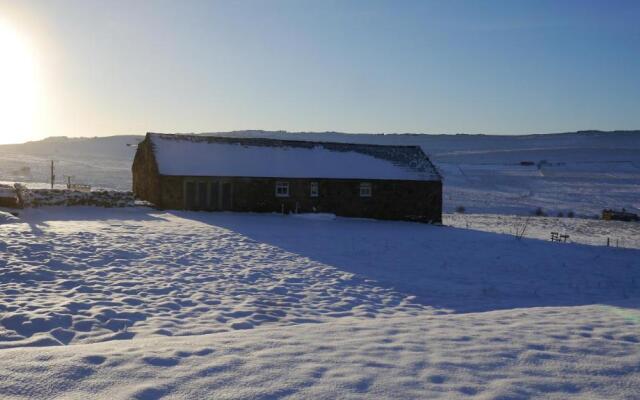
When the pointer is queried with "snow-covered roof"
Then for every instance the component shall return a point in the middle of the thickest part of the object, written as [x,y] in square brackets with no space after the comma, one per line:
[193,155]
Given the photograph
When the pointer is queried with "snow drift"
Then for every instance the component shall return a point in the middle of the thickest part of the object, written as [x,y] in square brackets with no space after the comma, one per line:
[136,303]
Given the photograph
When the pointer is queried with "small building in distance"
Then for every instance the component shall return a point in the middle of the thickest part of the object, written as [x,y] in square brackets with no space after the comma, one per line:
[9,197]
[194,172]
[624,215]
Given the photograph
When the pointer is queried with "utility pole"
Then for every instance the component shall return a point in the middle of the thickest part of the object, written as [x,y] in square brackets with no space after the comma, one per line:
[53,177]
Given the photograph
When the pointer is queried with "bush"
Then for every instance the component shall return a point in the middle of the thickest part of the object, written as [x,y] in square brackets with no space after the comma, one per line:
[560,214]
[570,214]
[539,212]
[460,209]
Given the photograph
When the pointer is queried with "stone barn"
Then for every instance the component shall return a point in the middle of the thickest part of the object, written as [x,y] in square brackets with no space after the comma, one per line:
[194,172]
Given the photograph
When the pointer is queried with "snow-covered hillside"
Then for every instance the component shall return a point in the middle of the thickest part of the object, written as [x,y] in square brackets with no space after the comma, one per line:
[137,303]
[102,162]
[582,172]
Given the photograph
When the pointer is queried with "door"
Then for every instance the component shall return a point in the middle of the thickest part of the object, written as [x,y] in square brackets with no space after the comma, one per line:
[202,195]
[214,196]
[227,196]
[190,195]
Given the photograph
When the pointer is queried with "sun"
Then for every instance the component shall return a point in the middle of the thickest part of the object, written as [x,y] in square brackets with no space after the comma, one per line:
[18,87]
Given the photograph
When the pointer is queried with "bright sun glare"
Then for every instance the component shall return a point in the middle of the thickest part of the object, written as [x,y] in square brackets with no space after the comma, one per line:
[18,87]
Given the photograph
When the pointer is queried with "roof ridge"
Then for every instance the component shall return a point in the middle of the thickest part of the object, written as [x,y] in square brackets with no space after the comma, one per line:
[205,138]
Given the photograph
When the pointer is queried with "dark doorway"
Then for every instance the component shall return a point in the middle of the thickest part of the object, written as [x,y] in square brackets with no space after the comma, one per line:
[214,196]
[202,195]
[227,196]
[190,195]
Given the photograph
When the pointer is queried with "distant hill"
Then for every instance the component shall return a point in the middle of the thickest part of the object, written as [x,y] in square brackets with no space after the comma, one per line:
[435,145]
[114,147]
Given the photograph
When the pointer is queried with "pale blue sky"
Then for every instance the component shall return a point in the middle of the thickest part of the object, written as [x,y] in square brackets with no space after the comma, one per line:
[114,67]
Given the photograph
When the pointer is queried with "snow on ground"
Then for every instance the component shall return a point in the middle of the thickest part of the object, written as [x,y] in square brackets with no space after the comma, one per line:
[588,352]
[587,231]
[6,217]
[137,303]
[585,188]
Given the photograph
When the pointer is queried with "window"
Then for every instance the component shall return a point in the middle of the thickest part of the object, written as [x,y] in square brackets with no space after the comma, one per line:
[365,189]
[282,189]
[314,189]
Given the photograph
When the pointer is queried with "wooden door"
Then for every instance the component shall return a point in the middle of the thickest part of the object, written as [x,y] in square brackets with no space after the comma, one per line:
[214,196]
[227,196]
[190,195]
[202,195]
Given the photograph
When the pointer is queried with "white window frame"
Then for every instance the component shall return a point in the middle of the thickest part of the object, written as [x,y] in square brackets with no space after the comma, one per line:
[365,189]
[314,189]
[282,189]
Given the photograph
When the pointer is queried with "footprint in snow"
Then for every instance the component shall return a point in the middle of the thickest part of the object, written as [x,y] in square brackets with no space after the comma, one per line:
[161,361]
[437,379]
[150,393]
[94,360]
[242,325]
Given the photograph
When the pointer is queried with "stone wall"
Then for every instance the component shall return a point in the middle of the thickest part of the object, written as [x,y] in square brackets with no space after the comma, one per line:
[172,192]
[391,199]
[145,175]
[63,197]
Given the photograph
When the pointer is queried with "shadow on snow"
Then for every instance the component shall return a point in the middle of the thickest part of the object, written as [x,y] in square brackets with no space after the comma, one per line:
[450,268]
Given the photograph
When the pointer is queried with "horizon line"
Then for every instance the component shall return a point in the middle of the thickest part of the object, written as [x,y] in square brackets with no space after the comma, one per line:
[582,131]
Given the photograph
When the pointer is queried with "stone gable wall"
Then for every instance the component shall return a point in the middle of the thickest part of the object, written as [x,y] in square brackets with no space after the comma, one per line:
[144,171]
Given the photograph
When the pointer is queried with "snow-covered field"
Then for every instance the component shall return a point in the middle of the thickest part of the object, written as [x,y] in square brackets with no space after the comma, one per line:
[586,231]
[585,188]
[137,303]
[588,352]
